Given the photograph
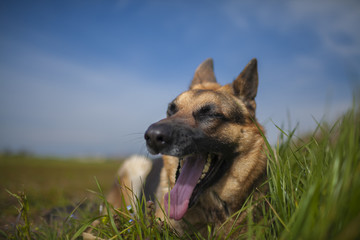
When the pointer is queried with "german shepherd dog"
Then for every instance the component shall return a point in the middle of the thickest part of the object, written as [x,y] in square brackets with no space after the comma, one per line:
[213,153]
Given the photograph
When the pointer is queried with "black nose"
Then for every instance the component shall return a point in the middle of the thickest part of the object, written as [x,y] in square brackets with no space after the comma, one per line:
[158,137]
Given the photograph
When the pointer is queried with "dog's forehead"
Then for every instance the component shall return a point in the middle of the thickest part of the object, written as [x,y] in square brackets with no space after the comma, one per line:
[194,99]
[199,96]
[225,102]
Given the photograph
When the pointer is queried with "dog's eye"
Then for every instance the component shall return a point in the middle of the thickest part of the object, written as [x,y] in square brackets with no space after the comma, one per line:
[172,109]
[208,109]
[207,112]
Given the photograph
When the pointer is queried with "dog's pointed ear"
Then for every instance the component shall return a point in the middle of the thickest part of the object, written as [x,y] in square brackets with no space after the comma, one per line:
[246,84]
[204,73]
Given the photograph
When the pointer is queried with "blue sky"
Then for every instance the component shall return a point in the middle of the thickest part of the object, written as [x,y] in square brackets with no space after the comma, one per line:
[81,78]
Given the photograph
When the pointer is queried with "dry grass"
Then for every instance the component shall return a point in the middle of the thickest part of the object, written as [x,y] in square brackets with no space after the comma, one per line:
[50,182]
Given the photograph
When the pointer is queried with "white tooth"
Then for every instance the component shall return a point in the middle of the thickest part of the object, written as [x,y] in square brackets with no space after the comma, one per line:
[207,165]
[206,168]
[201,178]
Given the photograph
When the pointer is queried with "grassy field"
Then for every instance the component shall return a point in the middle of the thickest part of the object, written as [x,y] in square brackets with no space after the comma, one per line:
[49,182]
[314,192]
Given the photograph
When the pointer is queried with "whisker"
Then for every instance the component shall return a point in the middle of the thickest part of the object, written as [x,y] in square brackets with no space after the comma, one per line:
[132,134]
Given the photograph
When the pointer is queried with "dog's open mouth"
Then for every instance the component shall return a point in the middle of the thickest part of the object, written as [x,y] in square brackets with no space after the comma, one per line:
[195,173]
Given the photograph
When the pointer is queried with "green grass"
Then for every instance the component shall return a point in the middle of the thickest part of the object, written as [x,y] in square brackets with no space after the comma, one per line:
[49,182]
[315,184]
[314,194]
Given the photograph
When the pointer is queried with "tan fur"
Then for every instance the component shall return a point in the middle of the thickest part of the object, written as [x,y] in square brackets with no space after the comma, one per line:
[232,188]
[131,175]
[167,181]
[248,170]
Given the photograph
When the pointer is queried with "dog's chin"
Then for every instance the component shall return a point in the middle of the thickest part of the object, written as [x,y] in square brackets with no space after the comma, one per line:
[195,173]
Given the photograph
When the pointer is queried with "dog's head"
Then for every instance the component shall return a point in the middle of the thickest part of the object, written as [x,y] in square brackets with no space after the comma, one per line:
[206,128]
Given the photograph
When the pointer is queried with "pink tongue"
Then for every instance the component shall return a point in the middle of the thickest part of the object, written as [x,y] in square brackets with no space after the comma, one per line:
[184,186]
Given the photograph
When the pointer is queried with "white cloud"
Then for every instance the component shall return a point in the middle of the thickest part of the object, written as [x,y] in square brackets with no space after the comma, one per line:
[334,22]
